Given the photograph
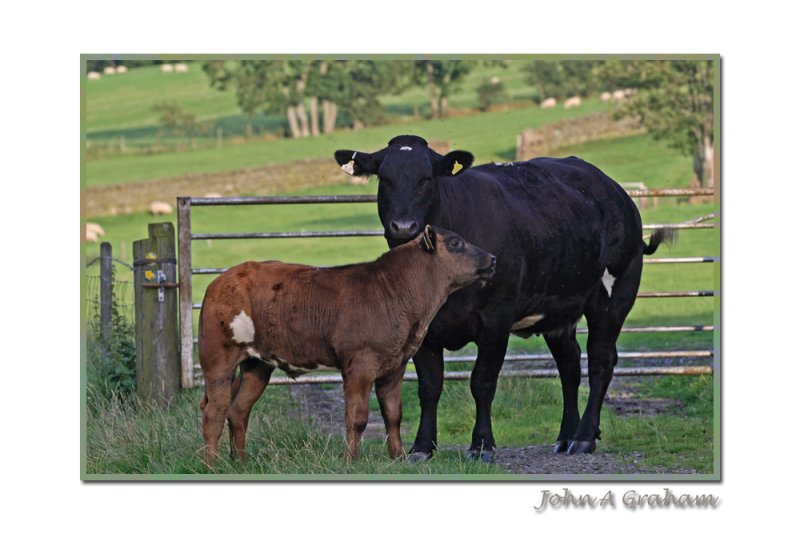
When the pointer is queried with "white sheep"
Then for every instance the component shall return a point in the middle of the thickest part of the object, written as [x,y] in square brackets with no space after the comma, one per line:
[109,70]
[605,97]
[157,207]
[181,67]
[572,102]
[93,232]
[122,69]
[548,103]
[94,75]
[167,67]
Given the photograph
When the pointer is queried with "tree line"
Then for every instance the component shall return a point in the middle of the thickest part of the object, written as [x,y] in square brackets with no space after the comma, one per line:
[673,99]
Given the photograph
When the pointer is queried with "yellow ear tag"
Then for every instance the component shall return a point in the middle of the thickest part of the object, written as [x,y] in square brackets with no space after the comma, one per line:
[427,240]
[457,167]
[148,275]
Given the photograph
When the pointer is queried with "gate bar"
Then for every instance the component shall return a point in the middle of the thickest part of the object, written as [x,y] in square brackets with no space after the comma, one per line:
[527,373]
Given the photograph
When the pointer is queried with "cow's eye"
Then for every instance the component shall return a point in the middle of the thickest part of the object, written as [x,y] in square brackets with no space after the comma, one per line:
[456,243]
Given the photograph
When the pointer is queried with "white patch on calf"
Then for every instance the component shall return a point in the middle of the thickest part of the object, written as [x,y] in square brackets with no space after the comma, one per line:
[527,322]
[244,331]
[406,148]
[608,281]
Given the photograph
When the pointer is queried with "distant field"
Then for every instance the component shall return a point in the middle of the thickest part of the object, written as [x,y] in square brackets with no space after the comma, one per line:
[122,104]
[490,136]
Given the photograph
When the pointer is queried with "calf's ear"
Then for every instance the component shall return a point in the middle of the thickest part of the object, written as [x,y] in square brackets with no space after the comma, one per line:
[358,163]
[454,162]
[428,240]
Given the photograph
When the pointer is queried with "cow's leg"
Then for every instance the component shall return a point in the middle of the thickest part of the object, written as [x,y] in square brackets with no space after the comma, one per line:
[389,393]
[567,354]
[429,363]
[248,386]
[605,315]
[483,384]
[357,386]
[217,401]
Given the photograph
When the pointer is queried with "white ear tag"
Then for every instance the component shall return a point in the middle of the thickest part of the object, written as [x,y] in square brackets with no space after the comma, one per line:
[348,167]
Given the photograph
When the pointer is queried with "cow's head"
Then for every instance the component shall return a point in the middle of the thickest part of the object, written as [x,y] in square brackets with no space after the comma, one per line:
[462,262]
[407,170]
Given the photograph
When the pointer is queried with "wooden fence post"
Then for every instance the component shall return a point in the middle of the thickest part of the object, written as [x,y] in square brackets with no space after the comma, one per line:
[158,364]
[185,267]
[106,296]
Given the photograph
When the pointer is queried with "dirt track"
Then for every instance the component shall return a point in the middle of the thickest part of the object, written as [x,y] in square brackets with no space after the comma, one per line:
[326,407]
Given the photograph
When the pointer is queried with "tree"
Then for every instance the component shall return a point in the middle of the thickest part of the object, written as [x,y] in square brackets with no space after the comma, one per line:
[560,79]
[489,92]
[298,88]
[178,121]
[675,101]
[443,78]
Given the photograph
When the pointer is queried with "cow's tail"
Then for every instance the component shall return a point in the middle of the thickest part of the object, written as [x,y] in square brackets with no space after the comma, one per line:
[659,236]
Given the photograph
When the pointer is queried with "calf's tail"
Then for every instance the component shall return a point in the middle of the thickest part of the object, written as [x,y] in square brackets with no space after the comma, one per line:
[662,234]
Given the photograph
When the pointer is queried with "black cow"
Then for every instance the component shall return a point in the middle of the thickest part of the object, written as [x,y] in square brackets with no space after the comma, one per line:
[568,242]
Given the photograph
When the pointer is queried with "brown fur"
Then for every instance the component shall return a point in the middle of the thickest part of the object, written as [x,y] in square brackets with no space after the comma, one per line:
[366,320]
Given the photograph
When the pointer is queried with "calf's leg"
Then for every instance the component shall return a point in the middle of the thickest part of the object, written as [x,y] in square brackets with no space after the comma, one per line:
[389,393]
[357,386]
[429,362]
[248,387]
[218,399]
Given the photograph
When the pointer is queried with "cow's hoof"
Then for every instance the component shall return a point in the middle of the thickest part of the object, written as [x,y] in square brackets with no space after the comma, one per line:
[561,446]
[417,456]
[581,447]
[485,455]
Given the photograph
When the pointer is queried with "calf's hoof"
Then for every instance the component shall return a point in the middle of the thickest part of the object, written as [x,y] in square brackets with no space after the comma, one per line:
[561,446]
[484,455]
[581,447]
[418,456]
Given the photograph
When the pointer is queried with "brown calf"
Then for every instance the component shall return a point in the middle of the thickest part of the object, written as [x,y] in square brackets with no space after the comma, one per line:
[366,320]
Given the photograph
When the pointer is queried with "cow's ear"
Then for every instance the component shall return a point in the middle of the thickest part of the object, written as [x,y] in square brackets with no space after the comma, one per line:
[359,163]
[454,162]
[427,240]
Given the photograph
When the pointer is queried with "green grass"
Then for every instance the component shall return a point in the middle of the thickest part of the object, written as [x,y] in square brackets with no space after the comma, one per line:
[136,438]
[477,133]
[125,101]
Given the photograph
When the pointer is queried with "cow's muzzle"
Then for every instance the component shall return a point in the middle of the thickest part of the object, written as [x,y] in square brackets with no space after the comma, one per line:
[402,230]
[487,271]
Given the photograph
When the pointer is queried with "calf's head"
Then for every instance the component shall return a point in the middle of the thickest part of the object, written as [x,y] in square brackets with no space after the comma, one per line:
[462,262]
[407,171]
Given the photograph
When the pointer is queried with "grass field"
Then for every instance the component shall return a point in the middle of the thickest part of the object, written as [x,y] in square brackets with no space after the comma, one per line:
[123,104]
[134,438]
[477,133]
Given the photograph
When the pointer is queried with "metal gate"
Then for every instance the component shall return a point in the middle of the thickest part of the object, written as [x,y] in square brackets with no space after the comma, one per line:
[191,374]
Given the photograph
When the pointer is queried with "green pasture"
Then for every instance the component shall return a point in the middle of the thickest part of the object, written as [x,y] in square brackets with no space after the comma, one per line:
[478,133]
[123,104]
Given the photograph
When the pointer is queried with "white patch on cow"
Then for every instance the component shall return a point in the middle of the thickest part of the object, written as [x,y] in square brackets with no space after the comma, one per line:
[608,281]
[527,322]
[244,331]
[253,353]
[406,148]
